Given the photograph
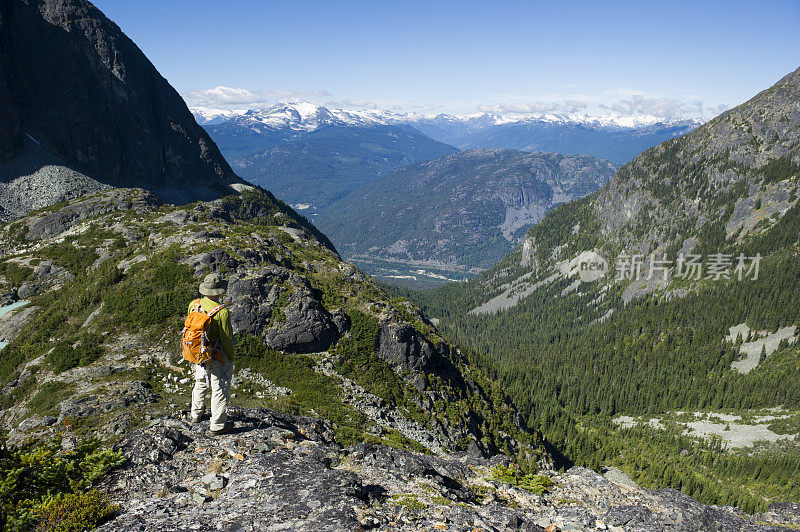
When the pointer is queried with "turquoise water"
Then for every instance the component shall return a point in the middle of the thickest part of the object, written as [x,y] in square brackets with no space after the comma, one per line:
[9,308]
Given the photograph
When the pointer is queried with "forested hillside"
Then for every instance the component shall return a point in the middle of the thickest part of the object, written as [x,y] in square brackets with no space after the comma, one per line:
[575,355]
[461,212]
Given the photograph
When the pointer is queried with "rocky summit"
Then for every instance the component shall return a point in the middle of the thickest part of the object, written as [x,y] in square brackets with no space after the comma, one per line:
[120,268]
[283,472]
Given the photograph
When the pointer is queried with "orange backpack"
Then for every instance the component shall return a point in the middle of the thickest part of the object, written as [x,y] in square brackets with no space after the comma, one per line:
[195,341]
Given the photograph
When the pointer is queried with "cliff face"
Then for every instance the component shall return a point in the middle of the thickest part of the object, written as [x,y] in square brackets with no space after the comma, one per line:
[73,82]
[9,121]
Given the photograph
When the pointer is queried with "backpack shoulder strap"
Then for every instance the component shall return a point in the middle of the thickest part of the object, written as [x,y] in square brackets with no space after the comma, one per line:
[215,310]
[195,305]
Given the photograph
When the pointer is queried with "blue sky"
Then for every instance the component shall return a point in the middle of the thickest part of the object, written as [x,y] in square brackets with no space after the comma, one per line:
[664,58]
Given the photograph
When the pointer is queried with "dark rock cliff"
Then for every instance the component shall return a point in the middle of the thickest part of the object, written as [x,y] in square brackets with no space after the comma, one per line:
[74,82]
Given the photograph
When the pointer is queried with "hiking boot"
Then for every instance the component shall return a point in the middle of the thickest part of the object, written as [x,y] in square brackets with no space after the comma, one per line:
[195,420]
[224,430]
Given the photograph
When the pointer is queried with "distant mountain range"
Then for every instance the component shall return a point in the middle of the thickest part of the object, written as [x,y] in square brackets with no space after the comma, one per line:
[363,175]
[617,138]
[310,156]
[609,138]
[459,213]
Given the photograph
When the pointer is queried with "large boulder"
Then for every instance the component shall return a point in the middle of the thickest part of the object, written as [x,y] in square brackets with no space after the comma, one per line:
[282,308]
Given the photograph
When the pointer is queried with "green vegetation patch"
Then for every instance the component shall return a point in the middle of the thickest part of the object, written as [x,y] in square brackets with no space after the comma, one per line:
[74,511]
[790,425]
[77,253]
[538,484]
[45,488]
[357,359]
[312,392]
[67,355]
[780,169]
[153,292]
[14,273]
[60,316]
[48,396]
[408,500]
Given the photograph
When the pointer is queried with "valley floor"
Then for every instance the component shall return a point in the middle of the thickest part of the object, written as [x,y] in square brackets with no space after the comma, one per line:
[410,274]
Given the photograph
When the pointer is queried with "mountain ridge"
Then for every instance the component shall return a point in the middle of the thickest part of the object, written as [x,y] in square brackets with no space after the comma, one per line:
[305,115]
[614,137]
[318,165]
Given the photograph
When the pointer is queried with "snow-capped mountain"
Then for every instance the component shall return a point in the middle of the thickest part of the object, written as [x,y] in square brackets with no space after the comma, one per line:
[296,116]
[306,116]
[207,116]
[618,138]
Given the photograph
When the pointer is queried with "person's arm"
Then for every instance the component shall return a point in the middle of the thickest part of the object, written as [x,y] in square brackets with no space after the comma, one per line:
[226,332]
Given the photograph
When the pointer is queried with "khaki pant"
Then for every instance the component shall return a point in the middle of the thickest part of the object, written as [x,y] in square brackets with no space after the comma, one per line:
[217,375]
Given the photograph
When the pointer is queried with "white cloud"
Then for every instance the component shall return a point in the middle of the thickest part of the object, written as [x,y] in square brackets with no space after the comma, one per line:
[707,112]
[223,96]
[668,108]
[232,96]
[534,107]
[573,106]
[348,103]
[278,94]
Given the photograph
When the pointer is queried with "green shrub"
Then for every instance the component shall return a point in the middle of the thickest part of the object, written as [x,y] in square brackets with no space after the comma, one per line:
[66,356]
[16,394]
[285,238]
[67,512]
[68,255]
[537,484]
[49,395]
[156,291]
[357,359]
[18,231]
[13,357]
[312,392]
[44,487]
[14,273]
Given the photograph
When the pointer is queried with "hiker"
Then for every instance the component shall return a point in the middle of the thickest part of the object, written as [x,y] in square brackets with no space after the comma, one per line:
[208,344]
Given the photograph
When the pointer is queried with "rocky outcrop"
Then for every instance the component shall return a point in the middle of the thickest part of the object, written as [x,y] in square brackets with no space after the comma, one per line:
[73,82]
[303,324]
[51,223]
[402,346]
[282,472]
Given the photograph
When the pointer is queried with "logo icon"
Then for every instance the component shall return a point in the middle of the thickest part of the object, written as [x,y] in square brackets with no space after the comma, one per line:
[591,266]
